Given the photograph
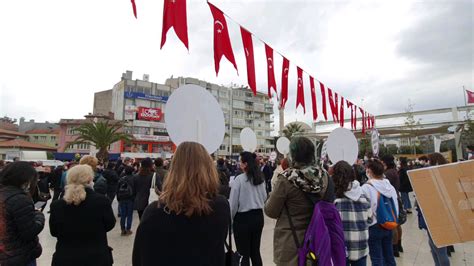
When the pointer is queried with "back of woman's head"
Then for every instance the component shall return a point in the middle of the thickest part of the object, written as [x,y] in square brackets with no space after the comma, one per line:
[251,168]
[302,151]
[158,162]
[18,174]
[389,161]
[129,170]
[403,162]
[191,182]
[376,167]
[343,176]
[436,159]
[146,166]
[78,177]
[89,160]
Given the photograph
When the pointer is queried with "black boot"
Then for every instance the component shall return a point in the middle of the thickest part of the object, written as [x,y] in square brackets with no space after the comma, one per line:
[400,248]
[396,252]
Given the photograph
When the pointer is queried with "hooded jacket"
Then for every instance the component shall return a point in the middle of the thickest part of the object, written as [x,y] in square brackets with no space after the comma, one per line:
[383,187]
[356,215]
[290,190]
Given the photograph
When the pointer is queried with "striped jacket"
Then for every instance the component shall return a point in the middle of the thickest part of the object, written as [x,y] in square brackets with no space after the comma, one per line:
[356,217]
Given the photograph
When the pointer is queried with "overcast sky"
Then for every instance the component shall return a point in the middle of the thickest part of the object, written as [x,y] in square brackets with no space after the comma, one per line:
[55,54]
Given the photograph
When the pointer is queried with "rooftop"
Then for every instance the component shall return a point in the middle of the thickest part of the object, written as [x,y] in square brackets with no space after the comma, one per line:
[19,143]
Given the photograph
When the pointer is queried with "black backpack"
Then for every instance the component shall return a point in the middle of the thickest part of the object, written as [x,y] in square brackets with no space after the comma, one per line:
[124,190]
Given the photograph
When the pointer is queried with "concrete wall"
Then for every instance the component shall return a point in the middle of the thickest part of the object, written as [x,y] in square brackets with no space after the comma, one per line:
[102,102]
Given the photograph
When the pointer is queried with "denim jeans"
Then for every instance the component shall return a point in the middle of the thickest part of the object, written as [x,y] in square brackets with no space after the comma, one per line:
[406,200]
[360,262]
[440,255]
[380,246]
[126,214]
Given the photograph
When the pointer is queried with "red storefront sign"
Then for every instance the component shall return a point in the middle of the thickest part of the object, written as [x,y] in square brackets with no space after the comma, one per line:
[152,114]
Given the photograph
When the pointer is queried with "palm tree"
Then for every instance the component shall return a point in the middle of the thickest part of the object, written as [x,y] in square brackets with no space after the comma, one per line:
[291,129]
[101,134]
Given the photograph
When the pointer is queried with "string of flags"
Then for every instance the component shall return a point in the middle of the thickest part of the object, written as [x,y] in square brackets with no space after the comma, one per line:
[174,16]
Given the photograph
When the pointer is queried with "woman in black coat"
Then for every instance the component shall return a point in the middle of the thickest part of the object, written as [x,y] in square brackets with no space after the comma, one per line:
[142,185]
[19,244]
[188,225]
[405,185]
[80,221]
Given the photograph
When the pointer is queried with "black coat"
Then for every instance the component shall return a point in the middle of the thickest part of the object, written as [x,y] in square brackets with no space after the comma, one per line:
[405,185]
[112,180]
[167,239]
[23,224]
[82,231]
[100,184]
[142,185]
[130,180]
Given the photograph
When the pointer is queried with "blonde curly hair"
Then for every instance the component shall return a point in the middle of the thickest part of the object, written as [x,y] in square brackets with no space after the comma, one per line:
[77,178]
[90,160]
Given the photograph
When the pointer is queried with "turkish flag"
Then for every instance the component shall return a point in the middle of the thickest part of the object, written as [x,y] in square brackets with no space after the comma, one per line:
[368,120]
[248,48]
[134,6]
[333,104]
[350,105]
[470,96]
[341,112]
[313,98]
[300,90]
[270,70]
[174,15]
[323,100]
[363,119]
[355,117]
[222,45]
[285,69]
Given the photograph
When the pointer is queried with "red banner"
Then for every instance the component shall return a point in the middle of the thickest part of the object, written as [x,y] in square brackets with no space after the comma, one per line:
[300,90]
[284,82]
[470,96]
[174,15]
[150,114]
[222,45]
[333,104]
[323,100]
[313,98]
[248,49]
[270,70]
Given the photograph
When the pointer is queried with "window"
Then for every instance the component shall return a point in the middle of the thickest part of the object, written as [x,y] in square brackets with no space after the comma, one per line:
[43,138]
[35,137]
[71,131]
[53,138]
[222,148]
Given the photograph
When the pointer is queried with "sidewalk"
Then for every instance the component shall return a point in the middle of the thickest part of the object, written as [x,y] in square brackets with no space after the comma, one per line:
[415,244]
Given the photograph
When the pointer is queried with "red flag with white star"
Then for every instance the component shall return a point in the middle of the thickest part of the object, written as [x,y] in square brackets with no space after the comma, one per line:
[323,100]
[270,70]
[300,90]
[470,96]
[333,104]
[222,45]
[350,105]
[313,98]
[284,82]
[174,15]
[341,112]
[249,57]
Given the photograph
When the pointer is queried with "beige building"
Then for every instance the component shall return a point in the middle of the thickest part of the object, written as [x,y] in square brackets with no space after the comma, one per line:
[128,98]
[47,137]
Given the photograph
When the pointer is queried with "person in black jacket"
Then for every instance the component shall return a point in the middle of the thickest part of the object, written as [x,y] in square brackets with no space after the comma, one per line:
[80,222]
[405,185]
[142,185]
[100,184]
[20,244]
[188,225]
[126,196]
[112,180]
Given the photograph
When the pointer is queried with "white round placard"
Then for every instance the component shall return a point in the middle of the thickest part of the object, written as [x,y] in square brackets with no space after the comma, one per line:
[342,146]
[283,145]
[193,114]
[248,139]
[375,142]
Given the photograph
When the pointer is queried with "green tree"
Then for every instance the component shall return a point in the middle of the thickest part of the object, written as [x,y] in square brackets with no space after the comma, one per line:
[291,129]
[467,133]
[101,134]
[412,124]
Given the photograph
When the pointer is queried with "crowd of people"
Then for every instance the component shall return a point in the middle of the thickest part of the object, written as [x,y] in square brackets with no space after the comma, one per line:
[200,201]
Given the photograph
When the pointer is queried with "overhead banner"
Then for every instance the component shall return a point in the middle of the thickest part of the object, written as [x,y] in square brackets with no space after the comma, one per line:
[150,114]
[143,96]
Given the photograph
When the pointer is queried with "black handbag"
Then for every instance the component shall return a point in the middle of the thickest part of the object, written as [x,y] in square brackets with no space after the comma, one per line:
[231,258]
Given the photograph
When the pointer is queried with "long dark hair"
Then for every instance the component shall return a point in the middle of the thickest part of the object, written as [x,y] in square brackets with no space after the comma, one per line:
[437,159]
[18,174]
[254,174]
[343,177]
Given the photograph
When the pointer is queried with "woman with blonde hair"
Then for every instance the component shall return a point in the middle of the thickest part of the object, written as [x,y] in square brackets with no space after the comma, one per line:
[100,183]
[190,220]
[80,221]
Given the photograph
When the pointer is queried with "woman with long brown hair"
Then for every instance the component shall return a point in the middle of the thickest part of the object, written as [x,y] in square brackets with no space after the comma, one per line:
[188,225]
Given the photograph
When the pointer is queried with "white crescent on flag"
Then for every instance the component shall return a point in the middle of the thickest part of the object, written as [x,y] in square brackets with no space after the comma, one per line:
[247,52]
[217,22]
[300,82]
[270,62]
[286,72]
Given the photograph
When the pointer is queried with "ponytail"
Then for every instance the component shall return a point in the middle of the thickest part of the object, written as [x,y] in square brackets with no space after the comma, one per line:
[74,194]
[254,174]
